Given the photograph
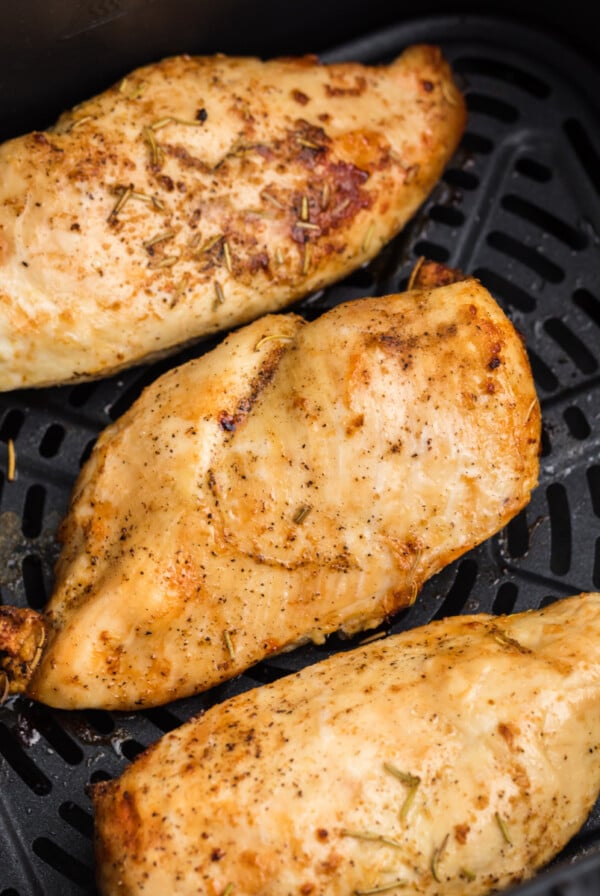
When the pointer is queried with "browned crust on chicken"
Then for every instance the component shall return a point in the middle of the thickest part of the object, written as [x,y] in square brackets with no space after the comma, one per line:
[22,638]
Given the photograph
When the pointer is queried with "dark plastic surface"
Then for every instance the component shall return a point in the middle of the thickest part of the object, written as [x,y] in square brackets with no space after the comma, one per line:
[519,207]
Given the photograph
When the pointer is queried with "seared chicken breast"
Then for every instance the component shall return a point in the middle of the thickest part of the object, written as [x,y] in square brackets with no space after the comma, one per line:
[201,192]
[451,760]
[298,479]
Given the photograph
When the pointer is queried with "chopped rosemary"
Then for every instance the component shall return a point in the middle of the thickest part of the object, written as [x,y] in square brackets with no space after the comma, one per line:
[311,145]
[304,209]
[272,338]
[279,256]
[79,121]
[368,236]
[219,294]
[415,272]
[306,259]
[194,240]
[134,92]
[229,644]
[374,838]
[410,781]
[155,150]
[228,889]
[180,289]
[211,243]
[341,207]
[467,874]
[436,858]
[171,119]
[503,828]
[306,225]
[124,196]
[166,262]
[375,637]
[270,198]
[382,888]
[12,461]
[325,196]
[301,514]
[159,238]
[227,256]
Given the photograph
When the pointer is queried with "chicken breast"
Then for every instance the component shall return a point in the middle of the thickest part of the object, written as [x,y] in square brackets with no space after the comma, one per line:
[298,479]
[202,192]
[451,760]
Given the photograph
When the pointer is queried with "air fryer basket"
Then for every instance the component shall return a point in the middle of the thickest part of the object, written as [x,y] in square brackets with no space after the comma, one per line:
[519,208]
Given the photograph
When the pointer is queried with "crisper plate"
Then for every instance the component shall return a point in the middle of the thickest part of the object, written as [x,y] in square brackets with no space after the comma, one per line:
[519,207]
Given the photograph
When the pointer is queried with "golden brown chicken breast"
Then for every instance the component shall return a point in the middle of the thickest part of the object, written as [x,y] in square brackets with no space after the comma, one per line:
[454,759]
[200,193]
[298,479]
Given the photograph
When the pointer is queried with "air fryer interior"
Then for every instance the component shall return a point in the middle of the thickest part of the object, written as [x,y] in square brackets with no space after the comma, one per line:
[519,208]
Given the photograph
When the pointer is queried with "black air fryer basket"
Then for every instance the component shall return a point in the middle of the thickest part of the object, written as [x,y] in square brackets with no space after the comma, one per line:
[519,208]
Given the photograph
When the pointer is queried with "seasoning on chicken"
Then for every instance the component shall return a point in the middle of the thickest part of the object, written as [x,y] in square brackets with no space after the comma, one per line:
[298,479]
[451,760]
[202,192]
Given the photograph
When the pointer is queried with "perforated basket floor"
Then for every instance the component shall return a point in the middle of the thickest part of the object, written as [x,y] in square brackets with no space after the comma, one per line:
[519,207]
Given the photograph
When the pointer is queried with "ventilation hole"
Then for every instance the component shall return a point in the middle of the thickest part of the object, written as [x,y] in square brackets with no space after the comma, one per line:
[99,776]
[588,303]
[571,345]
[1,485]
[484,104]
[19,761]
[80,394]
[577,423]
[132,748]
[11,425]
[457,596]
[33,581]
[534,170]
[584,150]
[517,535]
[78,818]
[593,478]
[33,511]
[527,256]
[432,251]
[52,440]
[560,528]
[42,720]
[85,454]
[546,446]
[162,718]
[503,289]
[101,721]
[546,221]
[505,600]
[464,180]
[444,214]
[596,571]
[476,143]
[9,892]
[502,71]
[60,860]
[542,374]
[547,601]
